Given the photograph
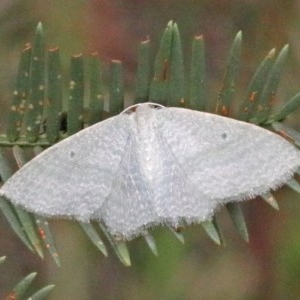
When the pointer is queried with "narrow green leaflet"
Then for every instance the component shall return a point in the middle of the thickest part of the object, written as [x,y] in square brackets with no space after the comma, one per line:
[177,81]
[237,217]
[43,228]
[45,234]
[266,101]
[269,198]
[54,95]
[150,242]
[285,109]
[294,185]
[20,96]
[7,209]
[6,169]
[22,287]
[233,66]
[249,106]
[25,218]
[212,231]
[34,116]
[91,232]
[19,156]
[143,73]
[119,247]
[75,104]
[177,234]
[159,84]
[96,90]
[116,88]
[42,293]
[11,216]
[30,229]
[198,75]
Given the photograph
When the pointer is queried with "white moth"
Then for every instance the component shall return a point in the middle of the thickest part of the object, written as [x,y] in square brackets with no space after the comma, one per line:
[153,166]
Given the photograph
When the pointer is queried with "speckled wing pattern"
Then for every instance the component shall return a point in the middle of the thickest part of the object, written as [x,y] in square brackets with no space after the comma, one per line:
[73,177]
[153,166]
[226,159]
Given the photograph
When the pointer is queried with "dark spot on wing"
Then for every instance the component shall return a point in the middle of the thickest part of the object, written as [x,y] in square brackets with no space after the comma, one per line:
[224,135]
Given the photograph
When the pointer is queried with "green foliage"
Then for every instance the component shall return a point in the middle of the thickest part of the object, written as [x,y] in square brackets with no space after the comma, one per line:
[233,65]
[75,103]
[54,95]
[21,289]
[249,106]
[212,229]
[116,88]
[197,76]
[37,118]
[37,87]
[143,73]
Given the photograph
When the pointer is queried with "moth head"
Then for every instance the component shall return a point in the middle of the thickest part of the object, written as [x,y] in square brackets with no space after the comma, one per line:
[141,106]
